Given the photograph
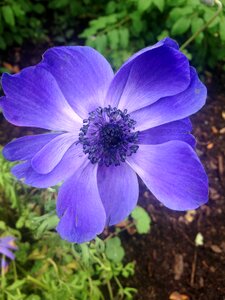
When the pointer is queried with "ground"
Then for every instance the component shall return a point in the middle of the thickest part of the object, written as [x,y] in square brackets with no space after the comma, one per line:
[168,263]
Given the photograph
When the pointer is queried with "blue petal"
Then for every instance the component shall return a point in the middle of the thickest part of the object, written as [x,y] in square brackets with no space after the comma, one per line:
[177,130]
[173,173]
[82,74]
[79,207]
[34,99]
[149,75]
[172,108]
[71,161]
[25,147]
[6,252]
[45,160]
[118,189]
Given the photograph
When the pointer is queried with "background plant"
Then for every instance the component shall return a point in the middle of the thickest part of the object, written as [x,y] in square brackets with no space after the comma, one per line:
[115,28]
[46,267]
[127,26]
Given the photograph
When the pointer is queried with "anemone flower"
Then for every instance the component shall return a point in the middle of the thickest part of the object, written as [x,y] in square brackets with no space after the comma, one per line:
[6,245]
[106,129]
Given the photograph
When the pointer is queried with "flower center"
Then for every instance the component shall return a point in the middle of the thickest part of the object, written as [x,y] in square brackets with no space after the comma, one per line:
[108,136]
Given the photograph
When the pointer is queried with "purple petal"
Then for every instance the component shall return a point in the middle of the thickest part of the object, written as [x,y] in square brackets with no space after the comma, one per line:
[51,154]
[173,173]
[118,189]
[172,108]
[70,162]
[6,252]
[177,130]
[82,74]
[33,98]
[25,147]
[155,73]
[164,42]
[79,206]
[8,242]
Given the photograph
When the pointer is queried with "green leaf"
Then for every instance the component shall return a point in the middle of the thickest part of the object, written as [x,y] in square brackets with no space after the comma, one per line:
[88,32]
[114,250]
[39,8]
[18,11]
[2,225]
[222,28]
[208,15]
[111,7]
[124,37]
[58,3]
[176,3]
[101,43]
[99,23]
[33,297]
[196,24]
[113,37]
[144,5]
[175,13]
[142,220]
[2,43]
[181,26]
[16,285]
[159,4]
[8,15]
[48,224]
[128,270]
[137,24]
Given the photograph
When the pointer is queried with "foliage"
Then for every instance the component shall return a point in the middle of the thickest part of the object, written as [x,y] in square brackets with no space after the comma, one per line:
[47,267]
[20,20]
[116,28]
[127,26]
[142,220]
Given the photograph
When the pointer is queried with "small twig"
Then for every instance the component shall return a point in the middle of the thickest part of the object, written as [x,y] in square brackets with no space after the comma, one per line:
[193,269]
[220,7]
[113,234]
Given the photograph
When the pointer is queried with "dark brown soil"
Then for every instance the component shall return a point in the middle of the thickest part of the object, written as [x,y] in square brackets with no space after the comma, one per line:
[168,263]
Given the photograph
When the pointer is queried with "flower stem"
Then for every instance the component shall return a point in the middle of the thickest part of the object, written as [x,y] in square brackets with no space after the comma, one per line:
[201,29]
[37,282]
[15,276]
[3,280]
[110,290]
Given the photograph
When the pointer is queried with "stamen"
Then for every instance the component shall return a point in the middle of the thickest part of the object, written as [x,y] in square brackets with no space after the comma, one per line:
[108,136]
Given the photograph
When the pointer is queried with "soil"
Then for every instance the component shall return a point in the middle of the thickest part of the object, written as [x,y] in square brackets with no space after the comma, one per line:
[169,265]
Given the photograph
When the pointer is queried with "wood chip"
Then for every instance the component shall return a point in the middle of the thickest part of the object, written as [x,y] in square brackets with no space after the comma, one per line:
[216,249]
[210,146]
[201,282]
[214,195]
[214,129]
[220,164]
[178,266]
[223,115]
[190,216]
[178,296]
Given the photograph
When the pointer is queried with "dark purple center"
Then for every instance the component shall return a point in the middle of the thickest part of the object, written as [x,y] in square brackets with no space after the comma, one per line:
[108,136]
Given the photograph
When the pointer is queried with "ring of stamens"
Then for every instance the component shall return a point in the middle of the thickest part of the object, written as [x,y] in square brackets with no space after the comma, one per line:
[108,136]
